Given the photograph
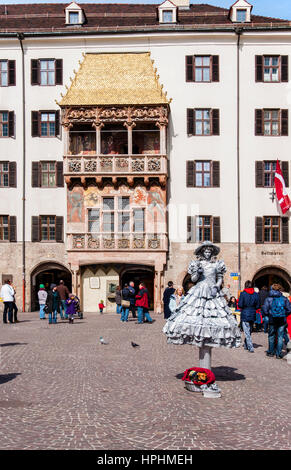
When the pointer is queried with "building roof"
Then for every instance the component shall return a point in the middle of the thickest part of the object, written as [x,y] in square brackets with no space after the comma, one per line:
[115,79]
[50,17]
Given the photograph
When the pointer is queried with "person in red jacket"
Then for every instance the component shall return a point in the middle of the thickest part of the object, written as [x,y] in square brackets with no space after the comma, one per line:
[142,304]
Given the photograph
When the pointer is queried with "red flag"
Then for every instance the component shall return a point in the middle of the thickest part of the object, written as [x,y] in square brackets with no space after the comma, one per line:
[282,196]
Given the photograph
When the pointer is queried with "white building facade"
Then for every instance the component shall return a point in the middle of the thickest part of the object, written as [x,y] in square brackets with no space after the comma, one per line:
[192,156]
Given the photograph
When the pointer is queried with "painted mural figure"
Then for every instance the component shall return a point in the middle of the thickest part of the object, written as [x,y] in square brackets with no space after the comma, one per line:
[155,200]
[203,317]
[76,202]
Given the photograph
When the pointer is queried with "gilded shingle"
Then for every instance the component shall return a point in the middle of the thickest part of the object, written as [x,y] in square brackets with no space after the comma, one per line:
[115,79]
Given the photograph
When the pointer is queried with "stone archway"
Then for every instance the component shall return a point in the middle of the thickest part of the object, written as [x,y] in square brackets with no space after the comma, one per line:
[269,275]
[47,273]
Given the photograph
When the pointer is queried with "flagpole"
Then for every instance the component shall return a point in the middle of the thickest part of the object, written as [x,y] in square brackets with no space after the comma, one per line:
[238,32]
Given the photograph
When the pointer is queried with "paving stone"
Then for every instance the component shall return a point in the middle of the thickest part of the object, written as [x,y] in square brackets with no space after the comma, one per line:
[61,389]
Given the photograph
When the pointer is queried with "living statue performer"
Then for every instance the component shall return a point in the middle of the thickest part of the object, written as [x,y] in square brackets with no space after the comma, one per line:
[203,317]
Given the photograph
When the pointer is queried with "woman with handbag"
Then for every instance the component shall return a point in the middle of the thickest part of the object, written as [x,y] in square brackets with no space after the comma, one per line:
[125,303]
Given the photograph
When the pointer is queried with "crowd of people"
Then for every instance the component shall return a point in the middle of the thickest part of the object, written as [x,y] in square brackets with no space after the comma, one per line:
[267,310]
[58,300]
[128,299]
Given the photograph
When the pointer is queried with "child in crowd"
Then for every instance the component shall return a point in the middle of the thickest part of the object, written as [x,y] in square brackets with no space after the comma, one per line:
[72,304]
[101,306]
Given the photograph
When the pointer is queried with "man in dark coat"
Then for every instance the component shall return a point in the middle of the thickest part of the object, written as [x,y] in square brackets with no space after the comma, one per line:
[249,303]
[263,295]
[277,319]
[132,298]
[166,299]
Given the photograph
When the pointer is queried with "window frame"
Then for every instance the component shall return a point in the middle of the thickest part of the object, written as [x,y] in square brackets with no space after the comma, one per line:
[278,67]
[271,227]
[48,172]
[47,70]
[2,123]
[4,173]
[278,121]
[49,240]
[240,10]
[47,135]
[6,72]
[271,173]
[203,227]
[2,228]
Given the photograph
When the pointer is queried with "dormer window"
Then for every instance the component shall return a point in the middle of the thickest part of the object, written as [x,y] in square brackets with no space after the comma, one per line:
[240,12]
[74,15]
[168,16]
[167,12]
[241,16]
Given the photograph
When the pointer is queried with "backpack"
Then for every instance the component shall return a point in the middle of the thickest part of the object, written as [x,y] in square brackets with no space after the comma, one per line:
[278,307]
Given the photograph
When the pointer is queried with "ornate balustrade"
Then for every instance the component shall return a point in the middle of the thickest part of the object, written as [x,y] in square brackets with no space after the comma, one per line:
[92,165]
[116,241]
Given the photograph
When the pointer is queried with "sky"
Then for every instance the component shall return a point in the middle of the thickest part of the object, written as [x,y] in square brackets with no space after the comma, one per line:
[272,8]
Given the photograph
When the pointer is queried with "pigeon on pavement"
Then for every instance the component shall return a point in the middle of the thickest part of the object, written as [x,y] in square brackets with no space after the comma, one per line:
[134,345]
[102,340]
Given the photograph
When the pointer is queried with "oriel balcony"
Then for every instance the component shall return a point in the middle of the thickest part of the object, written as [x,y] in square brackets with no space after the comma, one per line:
[114,151]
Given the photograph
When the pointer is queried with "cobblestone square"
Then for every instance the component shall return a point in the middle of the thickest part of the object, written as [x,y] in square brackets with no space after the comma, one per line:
[62,389]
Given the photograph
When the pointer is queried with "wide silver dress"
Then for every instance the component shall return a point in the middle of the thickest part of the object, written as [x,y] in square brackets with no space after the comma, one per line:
[203,317]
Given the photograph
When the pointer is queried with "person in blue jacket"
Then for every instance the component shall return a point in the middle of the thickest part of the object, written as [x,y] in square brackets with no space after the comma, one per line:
[249,302]
[277,308]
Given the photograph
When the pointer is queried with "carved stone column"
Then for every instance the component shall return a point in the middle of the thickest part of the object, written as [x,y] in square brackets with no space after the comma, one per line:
[98,126]
[129,125]
[158,290]
[163,137]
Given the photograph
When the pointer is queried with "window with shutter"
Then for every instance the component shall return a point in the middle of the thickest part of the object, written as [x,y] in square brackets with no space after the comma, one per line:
[59,229]
[189,68]
[190,121]
[285,230]
[35,175]
[59,71]
[35,232]
[60,175]
[190,229]
[11,124]
[216,230]
[284,68]
[259,230]
[190,174]
[215,68]
[259,68]
[285,172]
[215,122]
[11,73]
[12,175]
[12,229]
[34,72]
[259,174]
[216,174]
[35,124]
[284,122]
[258,122]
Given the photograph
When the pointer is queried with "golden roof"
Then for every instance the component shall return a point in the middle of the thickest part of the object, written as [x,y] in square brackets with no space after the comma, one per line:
[115,79]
